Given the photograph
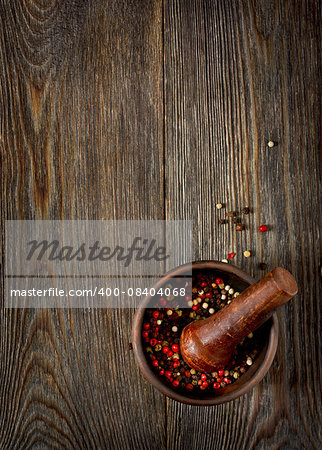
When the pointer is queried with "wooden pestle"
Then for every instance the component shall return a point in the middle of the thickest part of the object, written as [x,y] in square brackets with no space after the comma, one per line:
[206,345]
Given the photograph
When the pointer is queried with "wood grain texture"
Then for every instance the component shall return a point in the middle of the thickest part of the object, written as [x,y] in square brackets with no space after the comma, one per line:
[124,109]
[239,74]
[82,138]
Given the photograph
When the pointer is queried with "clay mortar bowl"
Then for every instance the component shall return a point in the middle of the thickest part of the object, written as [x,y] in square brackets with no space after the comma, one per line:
[239,280]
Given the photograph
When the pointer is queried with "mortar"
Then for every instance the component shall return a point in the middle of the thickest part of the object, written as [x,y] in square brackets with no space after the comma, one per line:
[239,280]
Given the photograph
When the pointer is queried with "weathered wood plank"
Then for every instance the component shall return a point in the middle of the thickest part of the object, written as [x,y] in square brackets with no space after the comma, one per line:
[238,74]
[81,137]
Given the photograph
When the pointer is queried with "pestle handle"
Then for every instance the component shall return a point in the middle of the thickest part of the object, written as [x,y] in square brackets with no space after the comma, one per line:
[207,344]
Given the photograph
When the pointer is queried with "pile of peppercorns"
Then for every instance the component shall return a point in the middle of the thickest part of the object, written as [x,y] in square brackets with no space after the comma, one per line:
[161,334]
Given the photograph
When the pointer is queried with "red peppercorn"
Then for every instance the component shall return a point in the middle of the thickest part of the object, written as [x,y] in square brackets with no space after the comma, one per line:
[146,339]
[187,373]
[189,387]
[168,374]
[176,364]
[156,329]
[170,379]
[155,363]
[203,376]
[220,372]
[209,294]
[231,255]
[200,382]
[203,284]
[161,372]
[153,342]
[145,334]
[227,380]
[195,307]
[175,348]
[146,326]
[175,383]
[219,281]
[263,228]
[216,385]
[205,384]
[170,353]
[165,349]
[155,314]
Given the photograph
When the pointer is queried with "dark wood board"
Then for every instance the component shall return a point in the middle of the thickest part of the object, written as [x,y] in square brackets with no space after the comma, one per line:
[82,138]
[239,74]
[149,110]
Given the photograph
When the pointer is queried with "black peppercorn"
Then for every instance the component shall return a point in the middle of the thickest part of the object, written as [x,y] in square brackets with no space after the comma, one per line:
[246,210]
[262,266]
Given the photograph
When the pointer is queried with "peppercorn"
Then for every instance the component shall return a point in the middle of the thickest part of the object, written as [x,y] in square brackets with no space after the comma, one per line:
[247,253]
[262,266]
[263,228]
[222,221]
[246,210]
[231,255]
[270,144]
[235,220]
[240,227]
[230,214]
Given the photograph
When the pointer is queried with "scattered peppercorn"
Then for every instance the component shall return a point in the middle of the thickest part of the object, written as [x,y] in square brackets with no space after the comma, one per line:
[235,220]
[240,227]
[130,346]
[263,228]
[231,255]
[246,210]
[219,205]
[222,221]
[230,214]
[247,253]
[262,266]
[270,143]
[224,260]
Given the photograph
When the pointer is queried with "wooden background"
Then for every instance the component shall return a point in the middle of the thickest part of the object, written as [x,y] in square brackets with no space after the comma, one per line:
[151,109]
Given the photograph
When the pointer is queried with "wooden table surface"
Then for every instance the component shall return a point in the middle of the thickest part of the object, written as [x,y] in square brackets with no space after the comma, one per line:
[151,109]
